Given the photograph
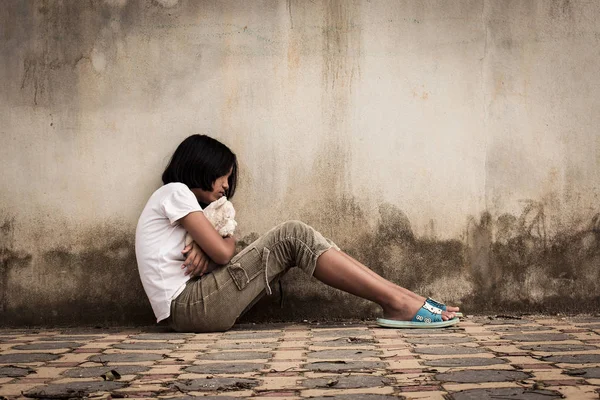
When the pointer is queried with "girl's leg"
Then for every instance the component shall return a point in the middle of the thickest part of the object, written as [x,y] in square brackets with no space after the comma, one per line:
[405,291]
[340,271]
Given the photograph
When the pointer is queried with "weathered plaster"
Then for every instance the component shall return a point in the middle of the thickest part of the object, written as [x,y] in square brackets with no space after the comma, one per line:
[451,147]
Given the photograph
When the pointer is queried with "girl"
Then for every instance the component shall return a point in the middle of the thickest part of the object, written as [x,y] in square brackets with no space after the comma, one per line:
[214,287]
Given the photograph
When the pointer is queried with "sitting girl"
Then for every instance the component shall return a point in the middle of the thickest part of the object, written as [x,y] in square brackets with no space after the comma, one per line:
[209,288]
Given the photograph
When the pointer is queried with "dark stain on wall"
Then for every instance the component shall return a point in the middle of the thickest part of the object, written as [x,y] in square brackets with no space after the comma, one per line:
[510,263]
[98,285]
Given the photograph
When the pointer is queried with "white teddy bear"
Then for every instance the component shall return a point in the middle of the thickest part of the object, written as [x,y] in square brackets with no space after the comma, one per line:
[221,215]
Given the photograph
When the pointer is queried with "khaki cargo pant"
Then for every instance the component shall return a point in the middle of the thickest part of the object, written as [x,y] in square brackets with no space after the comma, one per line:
[214,302]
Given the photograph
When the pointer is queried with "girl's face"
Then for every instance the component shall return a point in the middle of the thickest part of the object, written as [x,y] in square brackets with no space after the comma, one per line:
[219,188]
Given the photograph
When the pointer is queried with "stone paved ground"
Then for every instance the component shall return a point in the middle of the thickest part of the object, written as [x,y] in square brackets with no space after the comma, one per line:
[484,358]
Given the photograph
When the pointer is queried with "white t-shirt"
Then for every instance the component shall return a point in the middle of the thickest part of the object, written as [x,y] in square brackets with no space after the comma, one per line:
[159,240]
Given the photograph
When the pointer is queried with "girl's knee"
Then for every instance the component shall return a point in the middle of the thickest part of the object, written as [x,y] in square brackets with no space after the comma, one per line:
[294,226]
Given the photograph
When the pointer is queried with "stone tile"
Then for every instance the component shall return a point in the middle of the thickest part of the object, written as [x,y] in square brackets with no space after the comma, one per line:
[252,335]
[464,362]
[591,372]
[353,354]
[351,394]
[348,382]
[537,337]
[448,350]
[125,357]
[345,366]
[457,387]
[519,328]
[481,376]
[160,336]
[73,389]
[236,355]
[225,368]
[509,393]
[441,340]
[573,359]
[217,384]
[345,333]
[244,345]
[558,347]
[146,346]
[533,367]
[10,358]
[510,321]
[71,338]
[96,372]
[14,371]
[48,346]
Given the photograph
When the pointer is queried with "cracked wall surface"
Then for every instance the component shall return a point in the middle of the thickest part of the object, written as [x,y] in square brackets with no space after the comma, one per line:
[453,148]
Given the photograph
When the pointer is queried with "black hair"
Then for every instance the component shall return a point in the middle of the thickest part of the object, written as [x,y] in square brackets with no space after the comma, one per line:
[198,161]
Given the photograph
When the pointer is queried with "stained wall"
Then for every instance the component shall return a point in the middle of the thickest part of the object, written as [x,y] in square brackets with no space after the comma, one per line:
[451,146]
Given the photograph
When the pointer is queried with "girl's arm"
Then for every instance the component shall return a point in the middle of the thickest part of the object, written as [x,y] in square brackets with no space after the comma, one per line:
[219,249]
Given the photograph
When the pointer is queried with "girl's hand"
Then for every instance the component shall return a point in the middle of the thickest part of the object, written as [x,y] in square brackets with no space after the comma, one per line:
[196,262]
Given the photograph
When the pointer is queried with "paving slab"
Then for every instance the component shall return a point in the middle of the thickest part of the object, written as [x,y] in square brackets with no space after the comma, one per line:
[345,366]
[216,384]
[518,328]
[346,342]
[482,376]
[511,321]
[342,354]
[26,357]
[252,335]
[574,359]
[559,347]
[506,393]
[341,332]
[464,362]
[65,338]
[125,357]
[48,346]
[348,382]
[592,372]
[236,355]
[448,350]
[161,336]
[145,346]
[241,346]
[72,389]
[15,372]
[225,368]
[441,340]
[537,337]
[96,372]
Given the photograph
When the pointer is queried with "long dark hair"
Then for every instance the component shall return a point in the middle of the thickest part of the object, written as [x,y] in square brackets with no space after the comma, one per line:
[198,161]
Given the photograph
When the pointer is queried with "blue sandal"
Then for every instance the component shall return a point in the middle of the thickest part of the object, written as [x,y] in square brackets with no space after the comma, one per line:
[427,317]
[442,306]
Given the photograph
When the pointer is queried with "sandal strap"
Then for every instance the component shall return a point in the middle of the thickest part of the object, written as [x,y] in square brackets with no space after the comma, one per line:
[436,303]
[428,314]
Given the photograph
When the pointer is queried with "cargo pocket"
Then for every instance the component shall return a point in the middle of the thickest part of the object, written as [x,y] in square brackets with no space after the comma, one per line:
[247,266]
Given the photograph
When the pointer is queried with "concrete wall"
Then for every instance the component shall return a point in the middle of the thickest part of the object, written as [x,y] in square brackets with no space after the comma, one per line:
[451,146]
